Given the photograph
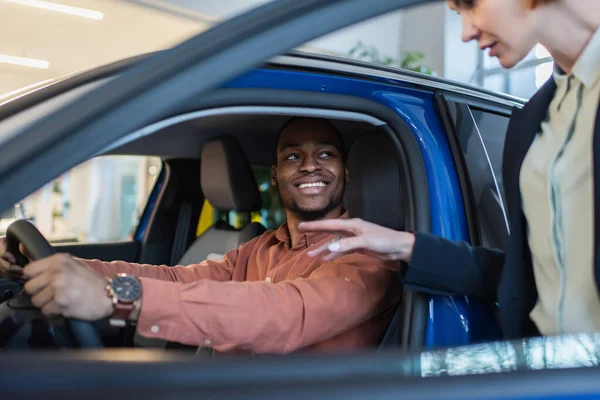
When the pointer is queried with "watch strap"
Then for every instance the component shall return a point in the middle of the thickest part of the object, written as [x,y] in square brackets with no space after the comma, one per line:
[121,310]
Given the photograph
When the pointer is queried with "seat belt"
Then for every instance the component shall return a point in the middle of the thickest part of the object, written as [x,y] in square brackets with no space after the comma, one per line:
[181,232]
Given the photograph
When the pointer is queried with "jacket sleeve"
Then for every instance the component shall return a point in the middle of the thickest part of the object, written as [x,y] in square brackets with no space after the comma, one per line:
[441,266]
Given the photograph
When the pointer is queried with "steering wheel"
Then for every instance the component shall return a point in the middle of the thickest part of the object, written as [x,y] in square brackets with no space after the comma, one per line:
[23,232]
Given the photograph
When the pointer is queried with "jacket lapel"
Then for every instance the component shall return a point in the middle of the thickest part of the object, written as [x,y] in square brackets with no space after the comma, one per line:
[524,125]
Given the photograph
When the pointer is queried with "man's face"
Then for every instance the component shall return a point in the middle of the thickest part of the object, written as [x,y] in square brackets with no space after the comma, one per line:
[310,172]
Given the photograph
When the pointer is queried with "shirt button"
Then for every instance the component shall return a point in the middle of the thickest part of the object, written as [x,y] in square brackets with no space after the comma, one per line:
[268,279]
[207,342]
[154,329]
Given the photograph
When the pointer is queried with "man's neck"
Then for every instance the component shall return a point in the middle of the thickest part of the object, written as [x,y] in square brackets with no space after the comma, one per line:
[567,29]
[293,220]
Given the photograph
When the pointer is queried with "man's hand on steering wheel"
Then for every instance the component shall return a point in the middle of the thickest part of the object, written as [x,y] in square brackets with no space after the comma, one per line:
[61,285]
[9,269]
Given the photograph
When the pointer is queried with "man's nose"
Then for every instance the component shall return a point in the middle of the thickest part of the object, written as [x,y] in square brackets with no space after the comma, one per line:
[310,164]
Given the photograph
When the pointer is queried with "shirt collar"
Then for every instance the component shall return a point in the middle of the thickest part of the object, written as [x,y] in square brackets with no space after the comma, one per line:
[308,238]
[587,66]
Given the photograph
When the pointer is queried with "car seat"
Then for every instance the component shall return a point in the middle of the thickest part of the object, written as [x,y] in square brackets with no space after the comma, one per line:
[228,184]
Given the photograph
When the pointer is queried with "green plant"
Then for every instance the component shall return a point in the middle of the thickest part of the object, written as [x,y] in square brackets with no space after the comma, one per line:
[411,60]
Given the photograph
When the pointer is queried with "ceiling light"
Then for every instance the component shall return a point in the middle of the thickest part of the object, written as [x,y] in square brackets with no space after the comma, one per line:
[46,5]
[24,62]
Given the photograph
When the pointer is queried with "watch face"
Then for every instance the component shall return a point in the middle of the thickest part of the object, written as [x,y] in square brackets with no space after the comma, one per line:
[126,288]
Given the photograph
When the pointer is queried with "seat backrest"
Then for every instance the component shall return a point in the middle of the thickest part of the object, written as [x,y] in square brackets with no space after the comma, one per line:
[374,193]
[228,184]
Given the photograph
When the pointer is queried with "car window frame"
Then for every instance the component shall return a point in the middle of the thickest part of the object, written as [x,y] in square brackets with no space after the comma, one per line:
[445,102]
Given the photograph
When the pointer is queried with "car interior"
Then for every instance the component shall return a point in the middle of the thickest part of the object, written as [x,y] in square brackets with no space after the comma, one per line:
[209,158]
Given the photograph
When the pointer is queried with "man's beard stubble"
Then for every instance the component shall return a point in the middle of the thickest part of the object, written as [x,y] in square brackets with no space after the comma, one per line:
[313,215]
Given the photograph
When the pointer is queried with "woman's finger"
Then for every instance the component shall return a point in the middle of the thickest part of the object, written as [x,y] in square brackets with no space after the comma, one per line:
[318,251]
[323,248]
[345,245]
[332,256]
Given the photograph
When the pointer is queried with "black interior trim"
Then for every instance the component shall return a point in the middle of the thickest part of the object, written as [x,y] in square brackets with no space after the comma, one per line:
[488,106]
[462,172]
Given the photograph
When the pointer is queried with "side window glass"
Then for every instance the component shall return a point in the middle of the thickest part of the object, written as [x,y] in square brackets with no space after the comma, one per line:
[98,201]
[271,215]
[492,128]
[481,145]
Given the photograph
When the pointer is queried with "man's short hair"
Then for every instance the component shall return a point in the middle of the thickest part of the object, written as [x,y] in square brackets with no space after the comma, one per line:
[334,129]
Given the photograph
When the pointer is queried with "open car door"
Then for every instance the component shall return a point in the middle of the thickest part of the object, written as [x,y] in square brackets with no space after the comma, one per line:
[40,143]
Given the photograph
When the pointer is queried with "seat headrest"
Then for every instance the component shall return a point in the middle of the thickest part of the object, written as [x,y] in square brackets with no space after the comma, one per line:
[374,192]
[226,177]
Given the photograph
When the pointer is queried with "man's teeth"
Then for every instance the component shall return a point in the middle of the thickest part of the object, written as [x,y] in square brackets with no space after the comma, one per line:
[316,184]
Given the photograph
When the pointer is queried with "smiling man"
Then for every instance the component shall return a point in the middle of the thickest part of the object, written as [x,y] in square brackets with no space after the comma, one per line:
[267,296]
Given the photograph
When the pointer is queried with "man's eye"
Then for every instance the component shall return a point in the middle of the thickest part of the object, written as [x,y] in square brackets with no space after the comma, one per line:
[293,157]
[326,154]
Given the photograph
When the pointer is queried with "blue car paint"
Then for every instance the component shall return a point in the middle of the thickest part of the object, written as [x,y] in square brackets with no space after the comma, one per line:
[452,320]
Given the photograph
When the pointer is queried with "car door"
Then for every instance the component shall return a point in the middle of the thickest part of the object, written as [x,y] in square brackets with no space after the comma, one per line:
[45,141]
[476,131]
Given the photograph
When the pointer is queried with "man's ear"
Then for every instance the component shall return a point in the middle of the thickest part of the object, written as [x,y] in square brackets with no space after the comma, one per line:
[273,175]
[347,174]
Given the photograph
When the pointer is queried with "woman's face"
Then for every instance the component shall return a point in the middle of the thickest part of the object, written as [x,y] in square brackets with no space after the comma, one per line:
[506,27]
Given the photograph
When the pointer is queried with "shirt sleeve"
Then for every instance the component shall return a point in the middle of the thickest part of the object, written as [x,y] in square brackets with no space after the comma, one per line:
[264,317]
[220,270]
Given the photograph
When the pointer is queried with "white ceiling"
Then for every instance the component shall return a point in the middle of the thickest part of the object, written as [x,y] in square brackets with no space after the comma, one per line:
[71,43]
